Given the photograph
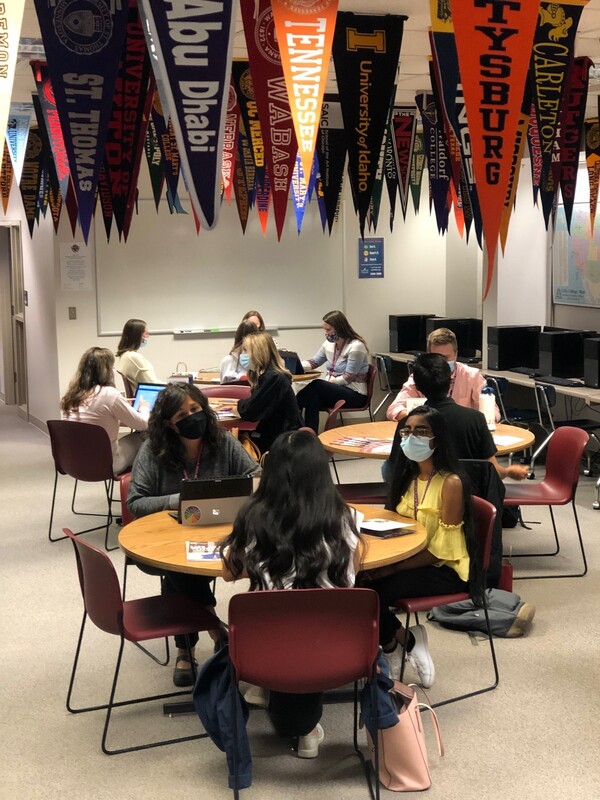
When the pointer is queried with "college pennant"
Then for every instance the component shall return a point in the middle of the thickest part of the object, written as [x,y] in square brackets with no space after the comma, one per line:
[11,17]
[305,36]
[250,125]
[535,152]
[155,162]
[17,129]
[375,204]
[193,43]
[279,138]
[515,167]
[571,125]
[404,129]
[592,160]
[263,203]
[438,162]
[390,173]
[83,40]
[134,90]
[31,177]
[50,194]
[331,154]
[494,42]
[105,200]
[366,49]
[553,51]
[6,177]
[240,191]
[230,143]
[417,167]
[167,144]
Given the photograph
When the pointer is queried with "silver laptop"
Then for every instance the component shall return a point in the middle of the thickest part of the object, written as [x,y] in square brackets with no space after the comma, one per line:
[213,501]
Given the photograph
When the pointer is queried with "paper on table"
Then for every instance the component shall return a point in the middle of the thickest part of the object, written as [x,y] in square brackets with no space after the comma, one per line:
[380,525]
[506,441]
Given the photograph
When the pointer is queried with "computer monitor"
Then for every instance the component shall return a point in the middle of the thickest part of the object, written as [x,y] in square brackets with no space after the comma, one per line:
[510,346]
[407,332]
[468,332]
[561,353]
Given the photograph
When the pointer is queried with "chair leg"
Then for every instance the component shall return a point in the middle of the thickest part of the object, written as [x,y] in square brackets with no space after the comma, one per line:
[371,769]
[79,513]
[233,688]
[527,527]
[581,547]
[141,647]
[380,406]
[333,464]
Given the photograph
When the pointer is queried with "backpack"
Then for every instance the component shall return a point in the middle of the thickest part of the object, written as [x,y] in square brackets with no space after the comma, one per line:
[503,610]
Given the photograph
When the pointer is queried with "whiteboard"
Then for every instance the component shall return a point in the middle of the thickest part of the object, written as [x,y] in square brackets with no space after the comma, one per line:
[176,280]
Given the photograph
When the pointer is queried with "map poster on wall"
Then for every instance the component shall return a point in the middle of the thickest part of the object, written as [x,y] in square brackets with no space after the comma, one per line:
[576,259]
[75,267]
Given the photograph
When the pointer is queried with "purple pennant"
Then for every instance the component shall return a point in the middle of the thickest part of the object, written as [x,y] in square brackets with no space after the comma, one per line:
[191,46]
[83,40]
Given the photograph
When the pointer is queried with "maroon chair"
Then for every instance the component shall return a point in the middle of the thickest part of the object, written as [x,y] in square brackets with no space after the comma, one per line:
[333,421]
[559,487]
[303,641]
[128,386]
[83,452]
[369,493]
[132,620]
[235,392]
[484,515]
[371,375]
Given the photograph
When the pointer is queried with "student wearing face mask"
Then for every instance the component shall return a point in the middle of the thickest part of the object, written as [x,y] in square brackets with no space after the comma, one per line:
[346,358]
[184,441]
[466,382]
[428,485]
[132,364]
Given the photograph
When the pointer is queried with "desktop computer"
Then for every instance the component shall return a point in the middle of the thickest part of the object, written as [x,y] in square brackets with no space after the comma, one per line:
[407,332]
[591,362]
[468,332]
[561,353]
[510,346]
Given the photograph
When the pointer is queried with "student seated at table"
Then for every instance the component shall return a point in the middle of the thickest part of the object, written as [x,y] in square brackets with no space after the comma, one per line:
[184,441]
[91,397]
[294,533]
[467,427]
[231,369]
[255,318]
[132,364]
[346,360]
[466,382]
[272,402]
[428,485]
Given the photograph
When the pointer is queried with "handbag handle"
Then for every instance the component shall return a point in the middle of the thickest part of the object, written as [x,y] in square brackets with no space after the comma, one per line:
[436,726]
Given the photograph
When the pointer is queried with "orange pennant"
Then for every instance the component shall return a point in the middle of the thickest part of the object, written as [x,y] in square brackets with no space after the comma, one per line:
[305,35]
[494,41]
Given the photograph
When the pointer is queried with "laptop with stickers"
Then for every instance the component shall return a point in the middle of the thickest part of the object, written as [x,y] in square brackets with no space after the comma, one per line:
[213,501]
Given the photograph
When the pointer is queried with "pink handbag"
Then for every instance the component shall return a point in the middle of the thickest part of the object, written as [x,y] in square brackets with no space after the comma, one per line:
[403,764]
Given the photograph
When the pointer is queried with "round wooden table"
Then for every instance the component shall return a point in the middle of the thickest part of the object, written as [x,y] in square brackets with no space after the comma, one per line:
[508,439]
[214,378]
[158,540]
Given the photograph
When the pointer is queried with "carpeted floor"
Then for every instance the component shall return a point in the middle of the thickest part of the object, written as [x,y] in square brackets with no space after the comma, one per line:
[536,736]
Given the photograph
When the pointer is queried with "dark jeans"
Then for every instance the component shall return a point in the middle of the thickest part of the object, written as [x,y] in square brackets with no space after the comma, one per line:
[295,714]
[320,395]
[195,586]
[419,582]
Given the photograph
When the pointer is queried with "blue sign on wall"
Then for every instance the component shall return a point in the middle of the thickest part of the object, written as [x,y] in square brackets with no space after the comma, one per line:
[370,258]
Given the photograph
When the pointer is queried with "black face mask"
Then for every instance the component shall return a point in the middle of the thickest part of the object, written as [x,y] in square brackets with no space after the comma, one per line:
[192,427]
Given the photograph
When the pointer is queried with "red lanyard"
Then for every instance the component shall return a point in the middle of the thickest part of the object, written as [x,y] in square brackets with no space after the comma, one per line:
[195,475]
[336,355]
[416,492]
[452,379]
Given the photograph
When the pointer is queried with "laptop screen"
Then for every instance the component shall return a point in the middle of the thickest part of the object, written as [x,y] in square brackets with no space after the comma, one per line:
[213,501]
[148,392]
[292,362]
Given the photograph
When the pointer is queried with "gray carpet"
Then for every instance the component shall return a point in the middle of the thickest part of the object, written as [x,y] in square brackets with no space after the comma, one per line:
[536,736]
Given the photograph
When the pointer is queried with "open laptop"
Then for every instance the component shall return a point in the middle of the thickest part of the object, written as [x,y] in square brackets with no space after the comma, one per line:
[213,501]
[148,392]
[292,362]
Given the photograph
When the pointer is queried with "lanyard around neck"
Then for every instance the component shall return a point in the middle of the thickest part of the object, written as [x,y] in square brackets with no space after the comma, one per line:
[195,475]
[452,380]
[416,501]
[334,358]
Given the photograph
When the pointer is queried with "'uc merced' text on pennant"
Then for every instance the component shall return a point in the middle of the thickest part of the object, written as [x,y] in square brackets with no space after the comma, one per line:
[366,49]
[83,41]
[192,44]
[494,42]
[11,18]
[305,34]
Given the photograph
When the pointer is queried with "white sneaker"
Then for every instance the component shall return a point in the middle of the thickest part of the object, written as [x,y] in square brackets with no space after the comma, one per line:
[308,746]
[420,657]
[394,662]
[257,696]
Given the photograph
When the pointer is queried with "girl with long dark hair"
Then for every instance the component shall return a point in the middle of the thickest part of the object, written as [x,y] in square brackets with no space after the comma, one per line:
[294,533]
[428,485]
[346,360]
[132,364]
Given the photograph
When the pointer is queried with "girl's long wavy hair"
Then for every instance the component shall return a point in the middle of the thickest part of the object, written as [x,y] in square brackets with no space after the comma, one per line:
[165,442]
[263,356]
[95,369]
[294,523]
[445,462]
[339,322]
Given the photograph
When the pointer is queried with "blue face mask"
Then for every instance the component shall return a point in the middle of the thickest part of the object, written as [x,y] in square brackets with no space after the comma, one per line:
[416,448]
[245,360]
[452,365]
[144,342]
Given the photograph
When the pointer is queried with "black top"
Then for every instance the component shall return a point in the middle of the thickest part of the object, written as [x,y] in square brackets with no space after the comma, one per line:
[467,428]
[273,405]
